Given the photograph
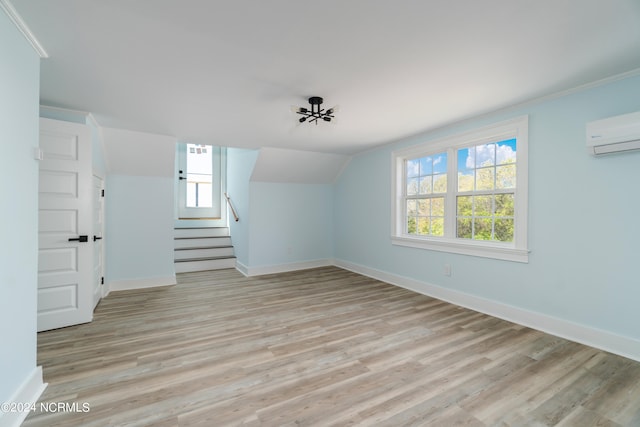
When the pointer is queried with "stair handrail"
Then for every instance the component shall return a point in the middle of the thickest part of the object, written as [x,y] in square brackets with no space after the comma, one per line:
[233,211]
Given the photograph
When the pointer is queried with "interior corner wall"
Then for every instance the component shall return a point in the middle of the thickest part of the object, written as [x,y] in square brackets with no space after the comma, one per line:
[291,224]
[583,214]
[282,225]
[240,163]
[19,124]
[139,207]
[139,231]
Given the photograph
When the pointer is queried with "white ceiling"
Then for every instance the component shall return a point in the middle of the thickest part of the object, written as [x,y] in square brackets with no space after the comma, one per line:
[280,165]
[227,72]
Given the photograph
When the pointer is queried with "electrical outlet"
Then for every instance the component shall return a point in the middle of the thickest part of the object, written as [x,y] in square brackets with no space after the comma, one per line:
[447,270]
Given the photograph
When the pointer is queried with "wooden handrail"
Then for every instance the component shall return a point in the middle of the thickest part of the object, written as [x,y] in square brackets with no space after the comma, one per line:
[233,211]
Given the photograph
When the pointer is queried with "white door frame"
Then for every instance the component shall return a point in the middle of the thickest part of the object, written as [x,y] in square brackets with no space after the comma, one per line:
[190,217]
[98,239]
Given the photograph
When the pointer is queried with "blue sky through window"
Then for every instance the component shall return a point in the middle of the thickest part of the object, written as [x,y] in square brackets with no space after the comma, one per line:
[440,163]
[429,165]
[473,157]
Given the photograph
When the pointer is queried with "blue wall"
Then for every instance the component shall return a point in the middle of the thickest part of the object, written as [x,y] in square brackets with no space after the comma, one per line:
[139,207]
[240,163]
[290,223]
[19,86]
[139,228]
[583,212]
[282,224]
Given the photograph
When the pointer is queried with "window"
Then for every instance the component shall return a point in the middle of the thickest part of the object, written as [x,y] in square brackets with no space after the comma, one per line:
[486,191]
[426,187]
[465,194]
[199,176]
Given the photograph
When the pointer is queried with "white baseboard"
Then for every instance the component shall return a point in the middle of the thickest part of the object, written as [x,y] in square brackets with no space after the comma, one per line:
[242,268]
[597,338]
[152,282]
[29,392]
[282,268]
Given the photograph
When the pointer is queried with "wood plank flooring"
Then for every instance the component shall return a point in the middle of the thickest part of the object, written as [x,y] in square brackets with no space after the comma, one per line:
[321,347]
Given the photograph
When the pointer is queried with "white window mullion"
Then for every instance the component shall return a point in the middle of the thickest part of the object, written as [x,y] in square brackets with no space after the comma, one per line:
[450,196]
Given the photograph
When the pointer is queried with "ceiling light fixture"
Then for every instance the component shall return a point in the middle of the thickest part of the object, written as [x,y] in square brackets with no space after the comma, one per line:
[314,113]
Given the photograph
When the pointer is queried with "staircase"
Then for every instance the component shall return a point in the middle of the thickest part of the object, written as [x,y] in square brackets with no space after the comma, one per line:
[200,249]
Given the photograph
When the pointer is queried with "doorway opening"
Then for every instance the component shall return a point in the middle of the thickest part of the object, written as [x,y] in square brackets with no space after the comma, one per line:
[200,174]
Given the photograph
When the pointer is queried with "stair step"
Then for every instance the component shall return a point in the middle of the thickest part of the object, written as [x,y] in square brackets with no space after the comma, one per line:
[205,252]
[202,247]
[205,258]
[198,242]
[186,266]
[201,232]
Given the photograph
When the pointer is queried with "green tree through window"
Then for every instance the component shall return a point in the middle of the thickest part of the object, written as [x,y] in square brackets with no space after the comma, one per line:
[426,179]
[486,189]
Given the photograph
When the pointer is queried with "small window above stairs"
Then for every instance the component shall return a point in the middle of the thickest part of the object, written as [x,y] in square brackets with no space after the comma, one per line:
[201,249]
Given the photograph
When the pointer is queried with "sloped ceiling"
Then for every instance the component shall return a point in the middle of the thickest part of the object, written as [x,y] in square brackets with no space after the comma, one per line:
[138,153]
[296,166]
[227,72]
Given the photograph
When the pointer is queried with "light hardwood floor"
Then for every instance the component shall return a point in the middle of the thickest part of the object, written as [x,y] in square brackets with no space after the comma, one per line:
[321,347]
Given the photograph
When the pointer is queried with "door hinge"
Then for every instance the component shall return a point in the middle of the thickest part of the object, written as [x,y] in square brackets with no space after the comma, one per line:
[102,192]
[102,280]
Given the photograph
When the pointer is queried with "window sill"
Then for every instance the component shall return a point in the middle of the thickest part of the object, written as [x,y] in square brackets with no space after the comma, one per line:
[479,249]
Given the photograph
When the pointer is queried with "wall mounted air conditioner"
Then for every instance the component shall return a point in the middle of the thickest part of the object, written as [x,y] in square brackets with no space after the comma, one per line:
[614,134]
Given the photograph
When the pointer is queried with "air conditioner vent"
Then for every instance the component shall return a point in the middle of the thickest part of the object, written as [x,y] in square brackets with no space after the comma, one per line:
[614,134]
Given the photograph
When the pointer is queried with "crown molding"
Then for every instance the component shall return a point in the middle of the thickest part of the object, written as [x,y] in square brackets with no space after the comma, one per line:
[586,86]
[17,20]
[515,107]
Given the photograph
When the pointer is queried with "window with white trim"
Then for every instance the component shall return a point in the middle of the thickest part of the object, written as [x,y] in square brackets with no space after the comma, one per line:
[465,193]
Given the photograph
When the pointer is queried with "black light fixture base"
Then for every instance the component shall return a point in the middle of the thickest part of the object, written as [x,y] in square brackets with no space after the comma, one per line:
[315,113]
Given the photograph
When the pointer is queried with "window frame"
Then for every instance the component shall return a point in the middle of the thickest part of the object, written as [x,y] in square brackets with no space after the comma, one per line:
[517,250]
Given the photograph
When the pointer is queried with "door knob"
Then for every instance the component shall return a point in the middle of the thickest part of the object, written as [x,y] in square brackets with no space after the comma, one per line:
[96,238]
[82,238]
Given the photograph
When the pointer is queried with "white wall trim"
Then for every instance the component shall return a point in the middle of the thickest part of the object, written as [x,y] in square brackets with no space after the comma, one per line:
[597,338]
[152,282]
[471,248]
[593,337]
[282,268]
[29,392]
[580,88]
[242,268]
[17,20]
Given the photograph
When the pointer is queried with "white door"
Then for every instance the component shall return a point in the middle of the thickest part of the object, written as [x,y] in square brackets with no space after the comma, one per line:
[98,229]
[65,253]
[200,182]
